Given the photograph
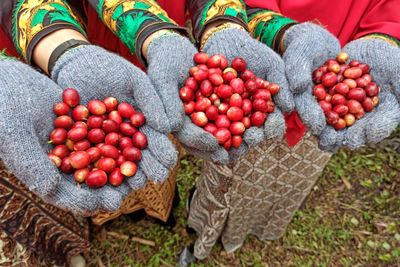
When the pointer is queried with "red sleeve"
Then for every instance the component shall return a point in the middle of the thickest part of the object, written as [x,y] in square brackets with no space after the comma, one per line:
[383,16]
[265,4]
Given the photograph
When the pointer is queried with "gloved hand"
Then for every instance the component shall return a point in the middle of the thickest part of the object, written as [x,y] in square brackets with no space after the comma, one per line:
[26,120]
[384,61]
[308,46]
[266,64]
[170,57]
[97,74]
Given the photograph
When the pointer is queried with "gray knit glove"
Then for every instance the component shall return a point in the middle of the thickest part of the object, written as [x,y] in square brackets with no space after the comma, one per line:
[97,74]
[26,120]
[266,64]
[384,61]
[170,57]
[308,46]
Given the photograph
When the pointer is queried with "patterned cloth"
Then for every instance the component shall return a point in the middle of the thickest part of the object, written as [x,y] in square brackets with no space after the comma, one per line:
[258,196]
[32,231]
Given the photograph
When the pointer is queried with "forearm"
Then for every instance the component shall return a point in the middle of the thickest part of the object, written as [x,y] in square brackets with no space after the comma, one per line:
[46,46]
[135,23]
[269,27]
[33,21]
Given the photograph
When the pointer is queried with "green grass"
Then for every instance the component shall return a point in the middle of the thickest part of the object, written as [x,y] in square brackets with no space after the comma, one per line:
[351,218]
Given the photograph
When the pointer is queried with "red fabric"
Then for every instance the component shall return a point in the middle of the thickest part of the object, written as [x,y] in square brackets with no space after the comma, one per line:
[6,43]
[346,19]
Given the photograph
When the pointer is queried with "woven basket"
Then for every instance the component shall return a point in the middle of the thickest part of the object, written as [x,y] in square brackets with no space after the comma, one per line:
[155,199]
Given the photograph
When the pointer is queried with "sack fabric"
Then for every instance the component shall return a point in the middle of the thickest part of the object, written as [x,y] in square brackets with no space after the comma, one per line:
[33,232]
[258,196]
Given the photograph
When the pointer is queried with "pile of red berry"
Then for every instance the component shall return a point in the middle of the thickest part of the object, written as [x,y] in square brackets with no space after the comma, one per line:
[344,91]
[226,100]
[100,143]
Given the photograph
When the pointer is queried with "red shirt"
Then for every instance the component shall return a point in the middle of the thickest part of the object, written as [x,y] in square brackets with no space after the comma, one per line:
[346,19]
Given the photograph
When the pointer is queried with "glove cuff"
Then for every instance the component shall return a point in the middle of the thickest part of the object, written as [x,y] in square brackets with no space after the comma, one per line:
[383,37]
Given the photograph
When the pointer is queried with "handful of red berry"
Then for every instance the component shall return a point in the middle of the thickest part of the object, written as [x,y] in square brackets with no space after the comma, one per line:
[344,91]
[226,100]
[100,143]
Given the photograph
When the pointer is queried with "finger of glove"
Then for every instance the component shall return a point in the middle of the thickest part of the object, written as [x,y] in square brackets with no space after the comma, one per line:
[69,196]
[219,156]
[385,120]
[330,139]
[383,58]
[360,133]
[150,103]
[111,197]
[97,73]
[275,126]
[236,153]
[26,158]
[170,58]
[308,47]
[172,103]
[254,135]
[355,136]
[138,181]
[310,112]
[161,147]
[275,73]
[26,95]
[152,168]
[195,137]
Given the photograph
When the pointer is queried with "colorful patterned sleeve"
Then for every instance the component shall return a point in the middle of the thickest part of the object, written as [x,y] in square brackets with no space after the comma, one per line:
[204,12]
[134,20]
[33,20]
[268,26]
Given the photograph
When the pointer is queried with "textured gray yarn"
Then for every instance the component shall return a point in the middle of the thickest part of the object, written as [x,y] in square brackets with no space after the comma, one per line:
[170,58]
[308,46]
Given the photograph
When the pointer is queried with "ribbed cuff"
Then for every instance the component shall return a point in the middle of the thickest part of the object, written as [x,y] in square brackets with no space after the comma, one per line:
[150,29]
[382,36]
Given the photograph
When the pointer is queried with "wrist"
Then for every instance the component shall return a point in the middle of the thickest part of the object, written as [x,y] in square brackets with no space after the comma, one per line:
[154,36]
[47,45]
[215,27]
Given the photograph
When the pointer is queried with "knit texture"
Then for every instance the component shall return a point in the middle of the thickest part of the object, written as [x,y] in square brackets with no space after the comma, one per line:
[308,46]
[97,74]
[384,61]
[266,64]
[169,59]
[26,120]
